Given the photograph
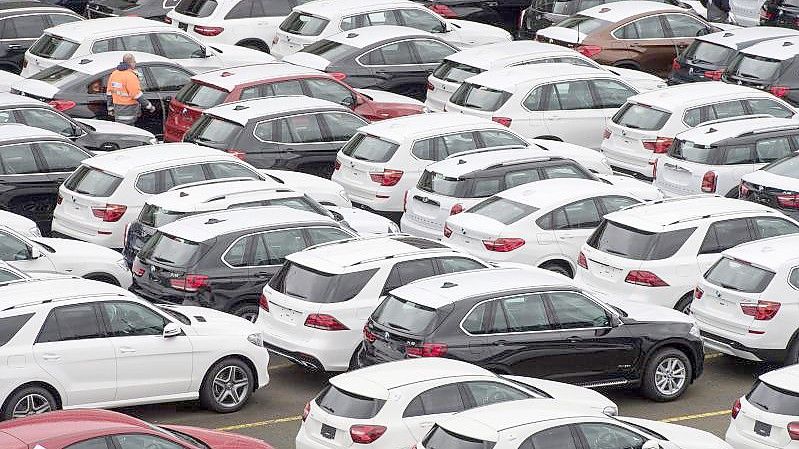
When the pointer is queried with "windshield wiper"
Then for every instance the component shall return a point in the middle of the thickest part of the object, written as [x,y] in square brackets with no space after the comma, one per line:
[729,287]
[747,75]
[630,126]
[397,326]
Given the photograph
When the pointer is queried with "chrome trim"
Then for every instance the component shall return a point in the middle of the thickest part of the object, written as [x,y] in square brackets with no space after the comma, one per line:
[257,124]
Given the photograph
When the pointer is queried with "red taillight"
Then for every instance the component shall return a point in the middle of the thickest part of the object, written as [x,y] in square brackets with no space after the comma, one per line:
[766,15]
[387,178]
[338,76]
[189,283]
[110,212]
[503,245]
[714,75]
[660,145]
[263,302]
[762,311]
[427,350]
[456,209]
[138,268]
[168,20]
[59,200]
[208,31]
[645,278]
[368,335]
[447,231]
[62,105]
[443,11]
[306,411]
[365,434]
[743,191]
[241,154]
[430,86]
[793,431]
[698,293]
[337,165]
[606,134]
[324,322]
[709,182]
[582,260]
[736,407]
[675,65]
[589,50]
[779,91]
[504,121]
[789,201]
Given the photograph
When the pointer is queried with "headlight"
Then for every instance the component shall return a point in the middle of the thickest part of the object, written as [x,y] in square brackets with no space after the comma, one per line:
[153,141]
[695,331]
[256,339]
[611,410]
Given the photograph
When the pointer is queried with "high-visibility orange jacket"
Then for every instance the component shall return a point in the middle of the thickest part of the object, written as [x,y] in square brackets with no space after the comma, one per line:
[124,88]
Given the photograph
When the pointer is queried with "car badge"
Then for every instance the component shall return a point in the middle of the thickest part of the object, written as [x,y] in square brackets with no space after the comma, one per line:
[388,336]
[717,293]
[552,41]
[624,133]
[152,269]
[739,82]
[425,199]
[690,70]
[184,111]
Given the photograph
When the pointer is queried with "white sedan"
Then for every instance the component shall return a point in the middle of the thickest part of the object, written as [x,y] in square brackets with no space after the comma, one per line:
[20,224]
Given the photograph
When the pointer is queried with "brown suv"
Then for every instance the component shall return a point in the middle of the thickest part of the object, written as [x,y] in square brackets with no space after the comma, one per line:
[631,34]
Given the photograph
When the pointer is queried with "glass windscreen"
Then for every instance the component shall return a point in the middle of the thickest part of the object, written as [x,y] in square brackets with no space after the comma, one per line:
[317,286]
[330,50]
[365,147]
[455,72]
[342,403]
[405,316]
[692,152]
[92,182]
[440,438]
[785,167]
[637,244]
[701,52]
[503,210]
[774,400]
[201,95]
[303,24]
[196,8]
[155,216]
[739,276]
[57,75]
[170,250]
[640,116]
[53,47]
[755,68]
[214,132]
[479,97]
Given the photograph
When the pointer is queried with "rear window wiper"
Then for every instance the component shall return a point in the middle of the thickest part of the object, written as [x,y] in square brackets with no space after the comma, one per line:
[398,326]
[162,259]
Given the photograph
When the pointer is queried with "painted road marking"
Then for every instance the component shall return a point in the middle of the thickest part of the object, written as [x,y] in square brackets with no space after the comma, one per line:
[697,416]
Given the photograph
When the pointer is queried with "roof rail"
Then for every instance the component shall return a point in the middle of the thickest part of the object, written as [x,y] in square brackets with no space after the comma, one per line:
[409,253]
[525,159]
[64,298]
[211,181]
[357,238]
[732,119]
[769,129]
[720,214]
[673,199]
[276,189]
[485,150]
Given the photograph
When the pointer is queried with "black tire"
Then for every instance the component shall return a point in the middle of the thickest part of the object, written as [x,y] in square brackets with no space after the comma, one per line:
[227,386]
[354,359]
[792,354]
[102,277]
[39,399]
[247,311]
[558,267]
[732,193]
[657,383]
[255,45]
[684,304]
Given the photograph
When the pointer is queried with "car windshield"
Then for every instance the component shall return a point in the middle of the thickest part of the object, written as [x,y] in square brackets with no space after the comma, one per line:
[701,52]
[785,167]
[437,183]
[179,435]
[303,24]
[329,50]
[365,147]
[317,286]
[201,95]
[57,75]
[455,72]
[196,8]
[631,243]
[641,116]
[774,400]
[53,47]
[170,250]
[583,24]
[342,403]
[738,275]
[692,152]
[405,316]
[92,182]
[440,438]
[756,68]
[214,132]
[155,216]
[503,210]
[481,98]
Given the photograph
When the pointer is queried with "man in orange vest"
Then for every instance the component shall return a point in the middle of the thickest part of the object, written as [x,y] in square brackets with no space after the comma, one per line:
[124,96]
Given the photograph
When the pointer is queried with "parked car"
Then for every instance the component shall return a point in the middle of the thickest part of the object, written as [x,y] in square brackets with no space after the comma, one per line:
[106,193]
[775,185]
[769,66]
[641,35]
[319,20]
[95,428]
[285,132]
[83,333]
[331,289]
[653,253]
[545,101]
[93,135]
[537,310]
[72,40]
[213,88]
[712,158]
[766,415]
[392,58]
[644,128]
[500,14]
[503,425]
[417,394]
[327,192]
[33,163]
[709,55]
[222,259]
[149,9]
[780,13]
[19,224]
[746,13]
[457,67]
[9,274]
[21,23]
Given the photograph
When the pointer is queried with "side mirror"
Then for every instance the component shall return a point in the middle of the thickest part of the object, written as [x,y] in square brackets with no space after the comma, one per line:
[207,53]
[615,321]
[651,444]
[34,253]
[348,102]
[172,330]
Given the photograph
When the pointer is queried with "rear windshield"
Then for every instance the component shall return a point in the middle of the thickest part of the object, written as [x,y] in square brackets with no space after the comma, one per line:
[440,438]
[437,183]
[348,405]
[214,132]
[155,216]
[503,210]
[691,152]
[329,50]
[10,325]
[57,75]
[756,68]
[317,286]
[170,250]
[93,182]
[583,24]
[303,24]
[773,399]
[196,8]
[369,148]
[201,95]
[53,47]
[479,97]
[631,243]
[701,52]
[785,167]
[455,72]
[405,316]
[739,276]
[641,116]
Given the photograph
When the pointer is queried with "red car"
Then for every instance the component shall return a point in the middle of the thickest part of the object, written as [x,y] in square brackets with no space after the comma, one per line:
[103,429]
[264,80]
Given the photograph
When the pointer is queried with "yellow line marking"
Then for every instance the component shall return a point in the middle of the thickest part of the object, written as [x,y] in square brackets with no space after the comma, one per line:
[262,423]
[697,416]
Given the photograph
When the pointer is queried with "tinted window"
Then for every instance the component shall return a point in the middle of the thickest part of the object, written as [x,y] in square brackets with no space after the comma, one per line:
[168,79]
[10,325]
[404,315]
[341,126]
[612,94]
[317,286]
[74,322]
[770,107]
[756,68]
[787,167]
[369,148]
[328,90]
[17,160]
[60,156]
[236,255]
[774,400]
[455,72]
[578,215]
[50,120]
[438,148]
[12,248]
[128,319]
[94,443]
[479,97]
[739,276]
[608,436]
[519,177]
[584,24]
[554,438]
[397,53]
[27,26]
[485,393]
[574,311]
[342,403]
[503,210]
[614,203]
[495,138]
[569,96]
[724,235]
[320,235]
[176,46]
[230,170]
[443,399]
[156,216]
[214,132]
[692,152]
[295,129]
[53,47]
[92,182]
[520,314]
[794,278]
[454,264]
[639,116]
[170,250]
[682,25]
[769,150]
[769,227]
[636,244]
[421,20]
[196,8]
[138,441]
[57,75]
[703,52]
[201,95]
[440,438]
[430,51]
[273,247]
[303,24]
[7,276]
[440,184]
[137,42]
[647,28]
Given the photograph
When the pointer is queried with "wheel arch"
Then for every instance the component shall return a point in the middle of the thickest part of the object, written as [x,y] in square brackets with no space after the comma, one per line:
[680,346]
[99,275]
[549,137]
[37,383]
[240,357]
[555,260]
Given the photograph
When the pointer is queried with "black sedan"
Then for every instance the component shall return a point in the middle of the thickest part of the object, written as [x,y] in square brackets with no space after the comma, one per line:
[391,58]
[21,23]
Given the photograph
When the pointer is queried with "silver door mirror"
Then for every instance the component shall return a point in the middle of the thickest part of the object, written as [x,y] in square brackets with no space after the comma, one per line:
[172,330]
[34,253]
[651,444]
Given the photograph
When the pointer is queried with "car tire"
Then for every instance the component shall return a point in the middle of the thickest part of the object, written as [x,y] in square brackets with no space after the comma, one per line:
[247,311]
[684,304]
[102,277]
[667,375]
[792,354]
[227,386]
[559,267]
[32,400]
[732,193]
[354,359]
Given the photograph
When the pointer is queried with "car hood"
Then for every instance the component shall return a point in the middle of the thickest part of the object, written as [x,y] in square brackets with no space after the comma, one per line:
[640,311]
[220,440]
[322,190]
[381,96]
[364,222]
[562,34]
[570,393]
[205,321]
[484,31]
[108,127]
[764,178]
[37,88]
[682,436]
[639,189]
[7,79]
[22,225]
[233,55]
[77,251]
[307,60]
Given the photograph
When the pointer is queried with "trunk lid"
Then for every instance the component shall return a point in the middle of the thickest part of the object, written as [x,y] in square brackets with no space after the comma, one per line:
[470,230]
[680,176]
[41,90]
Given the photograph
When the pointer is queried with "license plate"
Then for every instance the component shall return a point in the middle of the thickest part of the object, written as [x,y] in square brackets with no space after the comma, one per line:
[183,26]
[762,429]
[328,432]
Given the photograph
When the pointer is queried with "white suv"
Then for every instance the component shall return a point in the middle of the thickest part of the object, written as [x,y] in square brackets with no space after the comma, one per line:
[314,309]
[747,304]
[655,252]
[89,344]
[20,224]
[646,125]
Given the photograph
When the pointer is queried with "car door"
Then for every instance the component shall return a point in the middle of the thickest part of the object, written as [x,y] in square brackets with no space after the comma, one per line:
[186,52]
[50,120]
[330,90]
[17,34]
[148,364]
[431,405]
[646,42]
[164,81]
[573,115]
[392,67]
[573,223]
[27,189]
[271,249]
[684,28]
[722,235]
[73,348]
[18,252]
[603,435]
[532,123]
[555,437]
[244,270]
[611,95]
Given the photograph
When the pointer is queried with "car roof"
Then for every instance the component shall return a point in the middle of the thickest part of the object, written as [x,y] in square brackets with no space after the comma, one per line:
[366,36]
[341,8]
[500,54]
[336,257]
[509,78]
[550,192]
[415,126]
[731,38]
[10,6]
[375,381]
[36,428]
[771,253]
[684,96]
[38,290]
[108,26]
[124,161]
[202,227]
[243,111]
[654,216]
[9,99]
[786,378]
[186,197]
[100,62]
[618,11]
[710,133]
[18,131]
[461,164]
[232,77]
[781,48]
[438,291]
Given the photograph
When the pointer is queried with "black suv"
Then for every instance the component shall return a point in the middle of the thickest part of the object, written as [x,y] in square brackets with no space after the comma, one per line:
[772,66]
[223,259]
[21,23]
[531,322]
[780,13]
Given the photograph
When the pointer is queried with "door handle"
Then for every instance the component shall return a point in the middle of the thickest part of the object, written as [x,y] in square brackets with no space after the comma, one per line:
[127,350]
[261,275]
[499,343]
[15,47]
[51,357]
[574,339]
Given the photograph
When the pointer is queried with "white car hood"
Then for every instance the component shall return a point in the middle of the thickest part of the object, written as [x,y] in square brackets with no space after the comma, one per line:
[641,80]
[307,60]
[7,79]
[364,222]
[636,187]
[20,224]
[590,159]
[322,190]
[214,322]
[484,33]
[764,178]
[38,88]
[382,96]
[233,55]
[75,251]
[570,393]
[562,34]
[105,126]
[683,437]
[640,311]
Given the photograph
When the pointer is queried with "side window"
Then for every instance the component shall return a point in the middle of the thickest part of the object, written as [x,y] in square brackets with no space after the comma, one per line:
[457,143]
[574,311]
[139,441]
[614,203]
[650,28]
[554,438]
[97,86]
[485,393]
[280,244]
[580,215]
[522,314]
[405,272]
[612,94]
[794,278]
[519,177]
[220,170]
[270,131]
[430,51]
[474,322]
[738,154]
[25,27]
[47,119]
[236,255]
[379,18]
[605,436]
[7,116]
[305,128]
[253,92]
[443,399]
[329,90]
[729,109]
[455,264]
[61,156]
[324,235]
[496,138]
[770,107]
[562,171]
[58,19]
[12,248]
[427,149]
[725,234]
[421,20]
[290,87]
[341,125]
[769,150]
[177,46]
[75,322]
[138,42]
[242,10]
[103,45]
[533,100]
[17,160]
[574,61]
[693,116]
[484,187]
[771,226]
[6,276]
[570,95]
[148,182]
[392,54]
[168,79]
[683,25]
[94,443]
[186,174]
[128,319]
[349,23]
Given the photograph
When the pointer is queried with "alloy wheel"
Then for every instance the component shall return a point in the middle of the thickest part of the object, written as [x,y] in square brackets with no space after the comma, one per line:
[231,386]
[31,404]
[670,376]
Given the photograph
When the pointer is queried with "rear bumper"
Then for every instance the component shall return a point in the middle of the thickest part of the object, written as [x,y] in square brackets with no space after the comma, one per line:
[638,165]
[741,350]
[318,350]
[739,441]
[113,238]
[174,132]
[409,226]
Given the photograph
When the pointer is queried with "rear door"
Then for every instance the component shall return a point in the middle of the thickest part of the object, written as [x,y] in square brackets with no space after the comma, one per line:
[722,235]
[683,29]
[573,114]
[164,81]
[648,43]
[573,223]
[17,34]
[432,405]
[28,189]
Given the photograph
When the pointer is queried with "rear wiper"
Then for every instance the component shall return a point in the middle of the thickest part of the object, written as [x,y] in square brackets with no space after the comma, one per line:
[700,61]
[397,326]
[632,126]
[747,75]
[613,251]
[326,408]
[161,259]
[764,406]
[729,287]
